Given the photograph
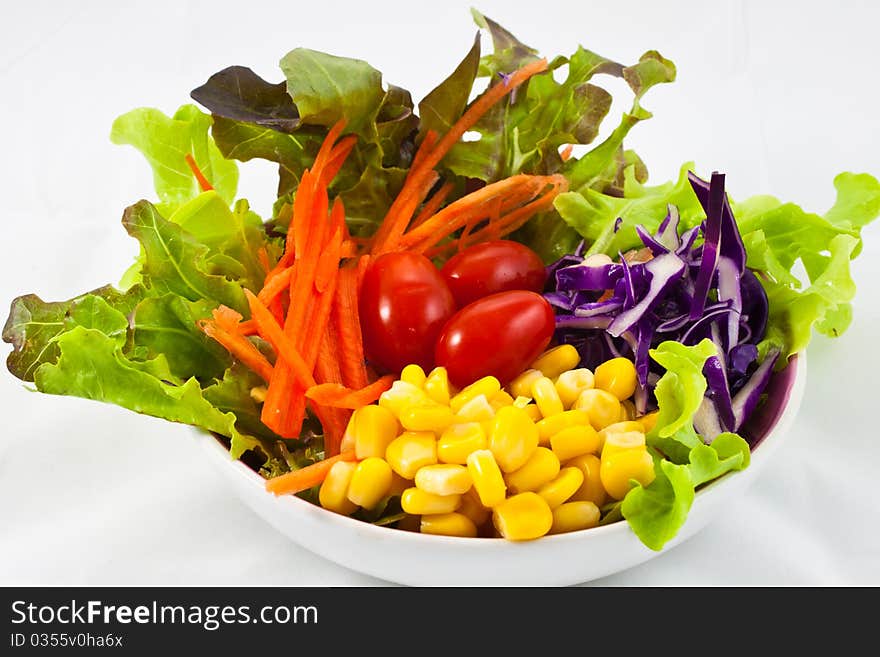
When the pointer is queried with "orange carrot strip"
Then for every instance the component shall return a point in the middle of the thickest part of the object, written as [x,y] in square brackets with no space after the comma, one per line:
[432,205]
[204,185]
[565,153]
[327,266]
[240,347]
[323,155]
[248,327]
[263,257]
[276,282]
[271,331]
[304,478]
[328,393]
[337,158]
[338,396]
[346,322]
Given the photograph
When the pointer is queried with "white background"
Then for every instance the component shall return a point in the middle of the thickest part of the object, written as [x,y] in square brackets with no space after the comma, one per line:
[780,96]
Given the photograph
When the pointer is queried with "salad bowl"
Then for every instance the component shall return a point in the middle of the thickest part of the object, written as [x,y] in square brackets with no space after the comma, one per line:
[415,559]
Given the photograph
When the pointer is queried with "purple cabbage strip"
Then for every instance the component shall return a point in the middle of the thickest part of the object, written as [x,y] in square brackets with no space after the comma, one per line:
[665,270]
[711,245]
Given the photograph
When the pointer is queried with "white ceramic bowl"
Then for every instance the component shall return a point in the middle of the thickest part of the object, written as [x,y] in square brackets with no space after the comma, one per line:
[425,560]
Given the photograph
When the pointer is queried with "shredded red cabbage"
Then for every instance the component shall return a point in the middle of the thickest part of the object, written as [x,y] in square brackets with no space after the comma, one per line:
[685,292]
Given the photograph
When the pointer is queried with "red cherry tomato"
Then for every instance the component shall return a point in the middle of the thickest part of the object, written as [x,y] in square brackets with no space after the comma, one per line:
[404,303]
[491,267]
[498,335]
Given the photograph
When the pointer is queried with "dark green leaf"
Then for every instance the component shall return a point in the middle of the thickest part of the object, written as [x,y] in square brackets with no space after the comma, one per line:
[447,101]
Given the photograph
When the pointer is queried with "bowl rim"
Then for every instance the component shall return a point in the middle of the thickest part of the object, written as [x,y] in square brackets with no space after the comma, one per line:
[708,491]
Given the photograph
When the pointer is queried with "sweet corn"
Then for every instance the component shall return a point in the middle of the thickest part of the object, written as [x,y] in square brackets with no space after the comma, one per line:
[522,401]
[542,467]
[410,451]
[618,427]
[459,440]
[486,477]
[333,494]
[473,508]
[501,399]
[534,412]
[487,386]
[627,410]
[373,428]
[521,386]
[591,490]
[418,502]
[415,375]
[437,386]
[648,421]
[617,376]
[617,441]
[546,397]
[522,517]
[448,524]
[602,407]
[348,437]
[443,479]
[620,467]
[370,482]
[402,395]
[554,362]
[514,438]
[574,441]
[556,423]
[571,384]
[566,484]
[427,418]
[573,516]
[477,409]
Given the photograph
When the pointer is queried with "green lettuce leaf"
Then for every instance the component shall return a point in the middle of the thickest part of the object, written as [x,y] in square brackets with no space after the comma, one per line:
[656,512]
[165,142]
[447,101]
[727,452]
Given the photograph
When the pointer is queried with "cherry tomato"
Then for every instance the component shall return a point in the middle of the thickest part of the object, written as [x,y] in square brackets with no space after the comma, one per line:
[404,303]
[498,335]
[491,267]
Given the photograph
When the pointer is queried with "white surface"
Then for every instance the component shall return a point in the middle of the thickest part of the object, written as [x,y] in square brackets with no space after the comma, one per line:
[781,98]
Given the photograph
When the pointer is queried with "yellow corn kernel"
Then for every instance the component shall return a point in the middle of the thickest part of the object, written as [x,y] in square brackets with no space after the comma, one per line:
[437,386]
[401,395]
[410,451]
[627,410]
[521,386]
[487,386]
[449,524]
[477,409]
[617,376]
[522,517]
[373,428]
[574,441]
[370,482]
[618,427]
[522,401]
[333,494]
[534,412]
[418,502]
[542,467]
[444,479]
[619,467]
[459,440]
[571,384]
[501,399]
[427,418]
[554,362]
[348,441]
[546,397]
[473,508]
[415,375]
[574,516]
[592,489]
[410,523]
[648,421]
[566,484]
[514,438]
[618,441]
[487,478]
[556,423]
[602,407]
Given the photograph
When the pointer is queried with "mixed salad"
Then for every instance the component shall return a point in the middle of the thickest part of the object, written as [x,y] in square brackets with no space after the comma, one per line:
[481,336]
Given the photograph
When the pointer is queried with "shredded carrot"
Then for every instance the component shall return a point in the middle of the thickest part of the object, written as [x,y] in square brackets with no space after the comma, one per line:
[304,478]
[276,282]
[240,347]
[339,396]
[565,153]
[204,185]
[271,331]
[248,327]
[347,325]
[432,205]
